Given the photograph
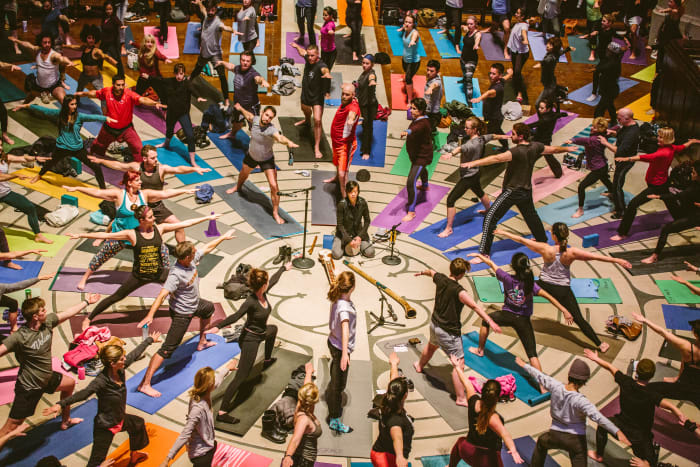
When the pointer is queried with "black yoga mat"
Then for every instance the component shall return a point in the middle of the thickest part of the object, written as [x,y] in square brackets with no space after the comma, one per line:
[202,88]
[672,259]
[325,197]
[342,45]
[303,136]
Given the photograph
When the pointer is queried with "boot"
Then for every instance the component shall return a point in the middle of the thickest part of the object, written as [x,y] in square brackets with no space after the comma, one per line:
[269,428]
[281,255]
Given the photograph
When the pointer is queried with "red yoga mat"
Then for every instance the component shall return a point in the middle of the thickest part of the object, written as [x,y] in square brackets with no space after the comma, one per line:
[398,90]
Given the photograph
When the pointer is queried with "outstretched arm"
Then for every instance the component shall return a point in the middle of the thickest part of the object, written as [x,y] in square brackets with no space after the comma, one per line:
[159,195]
[592,355]
[90,299]
[214,243]
[90,94]
[458,365]
[115,165]
[126,235]
[678,342]
[496,425]
[693,288]
[25,45]
[165,228]
[567,316]
[280,138]
[554,150]
[247,115]
[151,103]
[110,194]
[584,255]
[486,260]
[490,160]
[538,247]
[466,299]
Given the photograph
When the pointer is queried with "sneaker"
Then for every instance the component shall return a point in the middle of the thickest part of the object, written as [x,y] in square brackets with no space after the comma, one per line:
[339,427]
[591,98]
[93,367]
[137,19]
[45,97]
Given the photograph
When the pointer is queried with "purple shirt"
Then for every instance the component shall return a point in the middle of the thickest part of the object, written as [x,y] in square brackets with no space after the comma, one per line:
[516,301]
[595,151]
[328,40]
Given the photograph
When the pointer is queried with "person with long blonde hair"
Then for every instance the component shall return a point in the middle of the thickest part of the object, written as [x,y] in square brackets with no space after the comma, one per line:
[302,449]
[149,56]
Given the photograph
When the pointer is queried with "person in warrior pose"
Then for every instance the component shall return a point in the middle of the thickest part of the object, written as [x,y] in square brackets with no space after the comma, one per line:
[307,429]
[419,146]
[50,67]
[92,58]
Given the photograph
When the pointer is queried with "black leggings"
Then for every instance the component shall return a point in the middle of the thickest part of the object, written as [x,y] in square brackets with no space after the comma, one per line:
[102,438]
[454,20]
[642,443]
[223,79]
[554,165]
[60,153]
[369,113]
[618,194]
[521,198]
[131,284]
[3,118]
[336,386]
[163,9]
[677,225]
[353,16]
[522,326]
[518,61]
[142,84]
[565,296]
[185,123]
[593,176]
[473,182]
[306,15]
[607,102]
[641,198]
[205,460]
[249,344]
[416,172]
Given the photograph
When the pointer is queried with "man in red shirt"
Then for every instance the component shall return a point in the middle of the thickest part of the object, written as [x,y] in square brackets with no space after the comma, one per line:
[343,135]
[119,102]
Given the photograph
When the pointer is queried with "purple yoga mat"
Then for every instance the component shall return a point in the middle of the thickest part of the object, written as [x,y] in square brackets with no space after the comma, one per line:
[103,282]
[396,209]
[561,122]
[291,51]
[643,227]
[113,177]
[325,464]
[153,117]
[641,48]
[492,51]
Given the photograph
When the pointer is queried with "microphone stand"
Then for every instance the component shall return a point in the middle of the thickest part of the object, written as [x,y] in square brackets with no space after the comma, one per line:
[391,259]
[380,320]
[302,262]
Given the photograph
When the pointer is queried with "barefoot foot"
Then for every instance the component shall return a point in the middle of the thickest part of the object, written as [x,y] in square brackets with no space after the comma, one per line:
[70,423]
[148,390]
[445,233]
[330,180]
[594,455]
[226,135]
[617,238]
[318,154]
[6,138]
[477,351]
[651,259]
[41,239]
[277,218]
[14,266]
[205,345]
[137,457]
[300,123]
[461,402]
[577,214]
[231,190]
[365,157]
[417,367]
[409,217]
[604,347]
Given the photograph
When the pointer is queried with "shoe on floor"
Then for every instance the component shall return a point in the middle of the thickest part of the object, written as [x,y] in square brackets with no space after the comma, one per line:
[591,98]
[339,427]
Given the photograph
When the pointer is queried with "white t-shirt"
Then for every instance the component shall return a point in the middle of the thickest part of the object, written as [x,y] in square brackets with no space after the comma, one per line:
[515,40]
[342,310]
[5,188]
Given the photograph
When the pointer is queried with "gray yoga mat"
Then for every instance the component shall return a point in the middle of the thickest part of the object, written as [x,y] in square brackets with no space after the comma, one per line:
[615,455]
[434,383]
[342,45]
[335,90]
[357,400]
[325,197]
[303,136]
[671,352]
[256,208]
[672,259]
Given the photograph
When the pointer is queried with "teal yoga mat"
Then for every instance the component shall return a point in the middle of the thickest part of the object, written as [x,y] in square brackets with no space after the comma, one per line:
[396,42]
[675,292]
[455,91]
[595,205]
[445,47]
[582,52]
[9,92]
[490,290]
[177,155]
[260,66]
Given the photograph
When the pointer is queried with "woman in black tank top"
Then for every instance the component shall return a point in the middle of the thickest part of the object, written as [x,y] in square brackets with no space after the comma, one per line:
[469,56]
[92,57]
[151,257]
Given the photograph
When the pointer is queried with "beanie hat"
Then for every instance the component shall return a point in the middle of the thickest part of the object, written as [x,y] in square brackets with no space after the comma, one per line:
[579,370]
[645,369]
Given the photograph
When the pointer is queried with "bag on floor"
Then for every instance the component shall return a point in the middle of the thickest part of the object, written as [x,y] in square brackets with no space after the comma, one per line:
[204,194]
[382,113]
[508,386]
[623,326]
[442,22]
[108,209]
[512,110]
[81,353]
[647,138]
[382,58]
[236,287]
[62,216]
[286,405]
[427,18]
[177,15]
[390,16]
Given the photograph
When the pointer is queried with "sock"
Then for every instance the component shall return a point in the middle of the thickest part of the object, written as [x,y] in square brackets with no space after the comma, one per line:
[339,426]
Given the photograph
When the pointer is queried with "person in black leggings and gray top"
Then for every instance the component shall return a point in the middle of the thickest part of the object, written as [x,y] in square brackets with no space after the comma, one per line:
[543,130]
[256,308]
[469,57]
[367,98]
[247,26]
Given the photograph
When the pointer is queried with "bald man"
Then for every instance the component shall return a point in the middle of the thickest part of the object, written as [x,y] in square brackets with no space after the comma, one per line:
[343,135]
[626,146]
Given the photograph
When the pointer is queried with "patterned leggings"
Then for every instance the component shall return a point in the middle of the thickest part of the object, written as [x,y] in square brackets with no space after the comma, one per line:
[468,69]
[110,248]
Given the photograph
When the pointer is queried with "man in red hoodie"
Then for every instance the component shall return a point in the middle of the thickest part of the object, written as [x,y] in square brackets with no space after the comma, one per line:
[343,137]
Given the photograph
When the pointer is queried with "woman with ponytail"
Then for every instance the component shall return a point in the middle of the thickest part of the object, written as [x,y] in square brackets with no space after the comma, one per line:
[556,273]
[302,449]
[341,342]
[393,445]
[482,445]
[519,290]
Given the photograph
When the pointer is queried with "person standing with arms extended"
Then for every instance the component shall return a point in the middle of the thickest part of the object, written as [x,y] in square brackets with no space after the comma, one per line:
[433,95]
[163,7]
[411,59]
[493,101]
[609,68]
[353,16]
[247,26]
[519,49]
[453,14]
[469,56]
[419,146]
[543,130]
[328,50]
[367,99]
[306,13]
[343,137]
[113,34]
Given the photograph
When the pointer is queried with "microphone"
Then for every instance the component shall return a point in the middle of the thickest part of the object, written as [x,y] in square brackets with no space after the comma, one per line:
[279,193]
[396,226]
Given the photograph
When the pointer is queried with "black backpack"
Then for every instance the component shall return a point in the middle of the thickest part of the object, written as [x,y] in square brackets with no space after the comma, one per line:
[390,16]
[236,287]
[178,16]
[647,138]
[681,176]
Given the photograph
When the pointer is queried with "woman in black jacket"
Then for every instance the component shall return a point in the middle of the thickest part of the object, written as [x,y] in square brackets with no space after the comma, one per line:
[111,418]
[543,130]
[419,145]
[609,69]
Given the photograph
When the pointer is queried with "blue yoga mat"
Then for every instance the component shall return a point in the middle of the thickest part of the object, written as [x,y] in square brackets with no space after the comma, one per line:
[178,155]
[501,252]
[47,439]
[260,66]
[128,36]
[468,223]
[440,461]
[581,94]
[677,316]
[30,269]
[176,375]
[9,92]
[496,362]
[396,42]
[455,91]
[538,46]
[191,46]
[526,448]
[595,205]
[234,154]
[378,149]
[445,47]
[237,46]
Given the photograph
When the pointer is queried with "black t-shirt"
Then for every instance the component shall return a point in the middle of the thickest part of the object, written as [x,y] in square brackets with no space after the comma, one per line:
[490,439]
[492,106]
[312,89]
[178,95]
[637,403]
[468,52]
[448,307]
[384,442]
[366,94]
[519,170]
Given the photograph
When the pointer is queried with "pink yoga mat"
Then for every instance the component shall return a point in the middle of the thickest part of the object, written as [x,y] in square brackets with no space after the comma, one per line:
[544,183]
[291,52]
[561,122]
[173,50]
[398,90]
[8,378]
[396,209]
[644,226]
[231,456]
[104,282]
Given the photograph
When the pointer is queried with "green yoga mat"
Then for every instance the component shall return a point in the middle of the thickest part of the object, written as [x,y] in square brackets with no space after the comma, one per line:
[403,164]
[19,142]
[490,292]
[38,124]
[678,293]
[303,136]
[19,240]
[582,52]
[646,74]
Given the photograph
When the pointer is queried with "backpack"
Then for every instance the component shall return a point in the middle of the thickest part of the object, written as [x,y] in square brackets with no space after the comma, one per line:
[204,194]
[61,216]
[427,18]
[382,113]
[382,58]
[236,287]
[681,176]
[390,16]
[108,209]
[508,386]
[140,8]
[177,15]
[647,138]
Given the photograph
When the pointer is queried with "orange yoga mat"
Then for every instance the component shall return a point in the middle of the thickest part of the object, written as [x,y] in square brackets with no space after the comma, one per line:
[160,441]
[367,19]
[398,90]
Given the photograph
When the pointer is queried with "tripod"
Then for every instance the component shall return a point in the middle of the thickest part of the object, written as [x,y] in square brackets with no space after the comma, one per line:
[380,320]
[302,262]
[391,259]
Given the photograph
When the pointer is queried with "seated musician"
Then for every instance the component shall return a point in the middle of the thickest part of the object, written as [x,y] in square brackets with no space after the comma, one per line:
[352,222]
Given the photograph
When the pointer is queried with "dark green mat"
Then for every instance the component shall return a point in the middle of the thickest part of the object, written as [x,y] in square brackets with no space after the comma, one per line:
[672,259]
[19,142]
[342,45]
[202,88]
[615,455]
[303,136]
[402,166]
[38,124]
[259,391]
[671,352]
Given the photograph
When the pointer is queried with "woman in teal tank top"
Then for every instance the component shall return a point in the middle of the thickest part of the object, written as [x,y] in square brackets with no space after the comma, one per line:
[411,59]
[125,201]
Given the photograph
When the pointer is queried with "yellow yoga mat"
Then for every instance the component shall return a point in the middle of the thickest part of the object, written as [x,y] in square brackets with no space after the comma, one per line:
[640,107]
[367,19]
[108,71]
[20,240]
[51,184]
[160,440]
[647,74]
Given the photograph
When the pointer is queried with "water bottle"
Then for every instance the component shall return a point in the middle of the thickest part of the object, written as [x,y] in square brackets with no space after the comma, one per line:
[27,294]
[144,331]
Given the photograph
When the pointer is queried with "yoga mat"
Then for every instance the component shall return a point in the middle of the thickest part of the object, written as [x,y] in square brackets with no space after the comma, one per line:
[108,72]
[173,50]
[498,362]
[440,461]
[202,88]
[677,317]
[644,226]
[646,74]
[598,290]
[501,252]
[112,176]
[128,34]
[160,440]
[581,94]
[402,166]
[377,151]
[256,208]
[493,50]
[396,42]
[123,323]
[640,108]
[344,49]
[357,397]
[325,197]
[154,118]
[230,456]
[176,374]
[615,455]
[260,66]
[291,52]
[468,223]
[445,47]
[9,92]
[103,281]
[28,70]
[177,155]
[47,439]
[51,184]
[30,269]
[396,209]
[8,377]
[582,52]
[237,45]
[544,183]
[538,46]
[595,205]
[256,394]
[335,91]
[191,46]
[678,293]
[19,240]
[19,143]
[641,58]
[454,91]
[367,19]
[303,136]
[526,448]
[234,154]
[398,90]
[488,173]
[38,124]
[671,352]
[434,383]
[672,259]
[560,123]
